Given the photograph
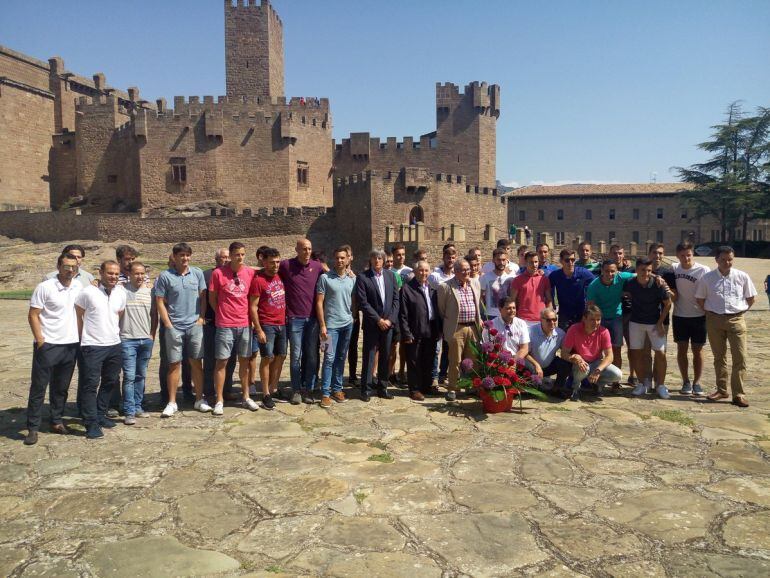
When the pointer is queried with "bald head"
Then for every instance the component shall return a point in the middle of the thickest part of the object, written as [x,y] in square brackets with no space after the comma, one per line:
[303,248]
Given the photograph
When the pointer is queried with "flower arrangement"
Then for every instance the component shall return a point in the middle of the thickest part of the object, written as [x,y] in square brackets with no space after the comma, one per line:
[495,373]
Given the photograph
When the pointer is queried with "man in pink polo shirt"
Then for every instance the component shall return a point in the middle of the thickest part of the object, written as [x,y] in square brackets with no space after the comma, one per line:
[229,297]
[531,290]
[588,347]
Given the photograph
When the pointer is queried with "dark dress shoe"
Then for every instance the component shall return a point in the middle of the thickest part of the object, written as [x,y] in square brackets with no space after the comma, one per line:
[108,423]
[416,396]
[94,431]
[433,390]
[384,393]
[740,401]
[59,428]
[31,438]
[365,397]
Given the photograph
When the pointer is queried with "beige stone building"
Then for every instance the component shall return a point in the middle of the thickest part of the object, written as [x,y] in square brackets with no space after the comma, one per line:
[625,213]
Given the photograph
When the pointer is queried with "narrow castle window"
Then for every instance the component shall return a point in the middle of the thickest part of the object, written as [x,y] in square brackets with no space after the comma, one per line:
[302,174]
[179,170]
[559,237]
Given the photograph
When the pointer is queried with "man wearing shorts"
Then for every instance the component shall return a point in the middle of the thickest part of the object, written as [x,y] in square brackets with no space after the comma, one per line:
[268,316]
[180,296]
[229,297]
[689,320]
[650,304]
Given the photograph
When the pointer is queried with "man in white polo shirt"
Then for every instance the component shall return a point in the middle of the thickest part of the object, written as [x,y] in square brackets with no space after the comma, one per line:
[725,294]
[99,309]
[689,320]
[54,326]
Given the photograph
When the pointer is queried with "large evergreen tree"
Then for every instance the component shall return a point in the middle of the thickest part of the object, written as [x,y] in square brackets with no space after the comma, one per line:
[733,184]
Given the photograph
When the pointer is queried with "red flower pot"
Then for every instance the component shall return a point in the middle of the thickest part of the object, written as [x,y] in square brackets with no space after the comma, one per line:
[491,405]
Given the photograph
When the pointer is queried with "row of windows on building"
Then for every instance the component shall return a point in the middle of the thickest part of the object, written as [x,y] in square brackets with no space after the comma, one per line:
[589,214]
[660,237]
[179,172]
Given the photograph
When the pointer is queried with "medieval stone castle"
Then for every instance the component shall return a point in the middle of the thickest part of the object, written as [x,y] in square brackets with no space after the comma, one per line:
[78,143]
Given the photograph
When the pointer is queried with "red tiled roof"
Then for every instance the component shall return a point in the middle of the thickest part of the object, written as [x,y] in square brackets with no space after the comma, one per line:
[579,189]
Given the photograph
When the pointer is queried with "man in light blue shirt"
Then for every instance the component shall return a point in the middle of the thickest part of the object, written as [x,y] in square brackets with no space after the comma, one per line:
[334,294]
[545,342]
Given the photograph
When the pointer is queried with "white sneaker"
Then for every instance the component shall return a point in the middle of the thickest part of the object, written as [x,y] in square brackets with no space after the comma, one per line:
[218,409]
[169,410]
[250,404]
[201,405]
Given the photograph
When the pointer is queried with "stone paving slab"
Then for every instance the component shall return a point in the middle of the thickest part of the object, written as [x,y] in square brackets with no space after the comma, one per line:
[604,487]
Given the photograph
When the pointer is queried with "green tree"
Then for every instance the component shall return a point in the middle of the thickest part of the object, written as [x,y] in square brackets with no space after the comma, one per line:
[732,185]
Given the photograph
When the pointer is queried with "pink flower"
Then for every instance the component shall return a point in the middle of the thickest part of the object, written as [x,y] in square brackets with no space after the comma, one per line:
[467,364]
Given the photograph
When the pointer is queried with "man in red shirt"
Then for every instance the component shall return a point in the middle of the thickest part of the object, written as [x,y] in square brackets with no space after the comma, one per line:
[268,315]
[588,347]
[229,297]
[531,290]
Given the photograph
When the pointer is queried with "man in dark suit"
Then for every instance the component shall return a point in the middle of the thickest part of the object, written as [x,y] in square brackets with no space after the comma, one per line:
[378,300]
[420,327]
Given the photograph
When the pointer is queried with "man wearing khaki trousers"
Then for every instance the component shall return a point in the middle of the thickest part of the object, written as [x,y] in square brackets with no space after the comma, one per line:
[725,294]
[458,305]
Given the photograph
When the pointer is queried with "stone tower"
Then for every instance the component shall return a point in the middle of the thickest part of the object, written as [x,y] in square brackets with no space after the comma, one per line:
[253,49]
[466,129]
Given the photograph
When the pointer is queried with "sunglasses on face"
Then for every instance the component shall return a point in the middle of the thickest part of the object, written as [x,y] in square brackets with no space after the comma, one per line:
[571,259]
[550,319]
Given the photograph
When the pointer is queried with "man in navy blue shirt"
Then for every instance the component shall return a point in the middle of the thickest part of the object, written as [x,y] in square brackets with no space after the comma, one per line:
[544,252]
[568,288]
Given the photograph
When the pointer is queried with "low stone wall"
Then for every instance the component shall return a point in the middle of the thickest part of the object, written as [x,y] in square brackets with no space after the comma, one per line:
[63,226]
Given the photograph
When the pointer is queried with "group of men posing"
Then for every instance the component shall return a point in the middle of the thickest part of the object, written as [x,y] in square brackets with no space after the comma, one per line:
[568,322]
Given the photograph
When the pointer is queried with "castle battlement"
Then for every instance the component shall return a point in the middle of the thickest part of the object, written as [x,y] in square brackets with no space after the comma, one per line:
[458,182]
[262,5]
[408,143]
[236,104]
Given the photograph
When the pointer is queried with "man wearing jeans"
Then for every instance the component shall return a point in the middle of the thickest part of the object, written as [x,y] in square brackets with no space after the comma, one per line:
[300,276]
[334,295]
[588,348]
[137,334]
[54,326]
[180,296]
[229,297]
[267,298]
[606,292]
[99,309]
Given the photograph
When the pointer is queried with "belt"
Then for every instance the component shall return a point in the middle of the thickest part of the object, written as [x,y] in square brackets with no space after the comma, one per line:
[466,324]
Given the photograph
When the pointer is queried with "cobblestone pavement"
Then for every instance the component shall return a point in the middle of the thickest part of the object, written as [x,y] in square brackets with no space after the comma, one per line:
[610,487]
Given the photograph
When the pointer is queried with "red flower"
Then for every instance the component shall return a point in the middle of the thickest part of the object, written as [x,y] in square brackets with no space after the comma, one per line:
[493,356]
[493,332]
[490,364]
[476,382]
[498,347]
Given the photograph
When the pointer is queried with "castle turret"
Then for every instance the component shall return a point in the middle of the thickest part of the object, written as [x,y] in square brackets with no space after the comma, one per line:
[253,49]
[466,124]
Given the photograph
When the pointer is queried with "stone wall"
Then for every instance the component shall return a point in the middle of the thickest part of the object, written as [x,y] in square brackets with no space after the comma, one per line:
[241,151]
[368,203]
[253,49]
[63,226]
[26,124]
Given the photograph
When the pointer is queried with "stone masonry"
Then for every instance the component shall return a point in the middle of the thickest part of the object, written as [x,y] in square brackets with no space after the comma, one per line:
[103,151]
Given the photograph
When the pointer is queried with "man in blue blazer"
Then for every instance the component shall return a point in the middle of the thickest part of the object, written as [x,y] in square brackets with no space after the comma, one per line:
[378,299]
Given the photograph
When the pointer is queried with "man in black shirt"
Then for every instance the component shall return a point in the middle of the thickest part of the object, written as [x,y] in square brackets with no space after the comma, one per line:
[650,304]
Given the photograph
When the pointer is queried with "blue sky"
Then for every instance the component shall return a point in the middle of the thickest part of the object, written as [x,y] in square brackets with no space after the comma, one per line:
[592,91]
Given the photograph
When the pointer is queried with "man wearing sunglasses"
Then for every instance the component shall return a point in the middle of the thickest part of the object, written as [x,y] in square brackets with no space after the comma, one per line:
[568,289]
[229,297]
[545,340]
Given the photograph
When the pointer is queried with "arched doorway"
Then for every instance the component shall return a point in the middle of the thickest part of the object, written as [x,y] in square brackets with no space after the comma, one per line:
[416,215]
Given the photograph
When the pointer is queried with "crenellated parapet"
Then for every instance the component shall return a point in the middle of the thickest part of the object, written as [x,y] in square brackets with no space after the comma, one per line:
[483,97]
